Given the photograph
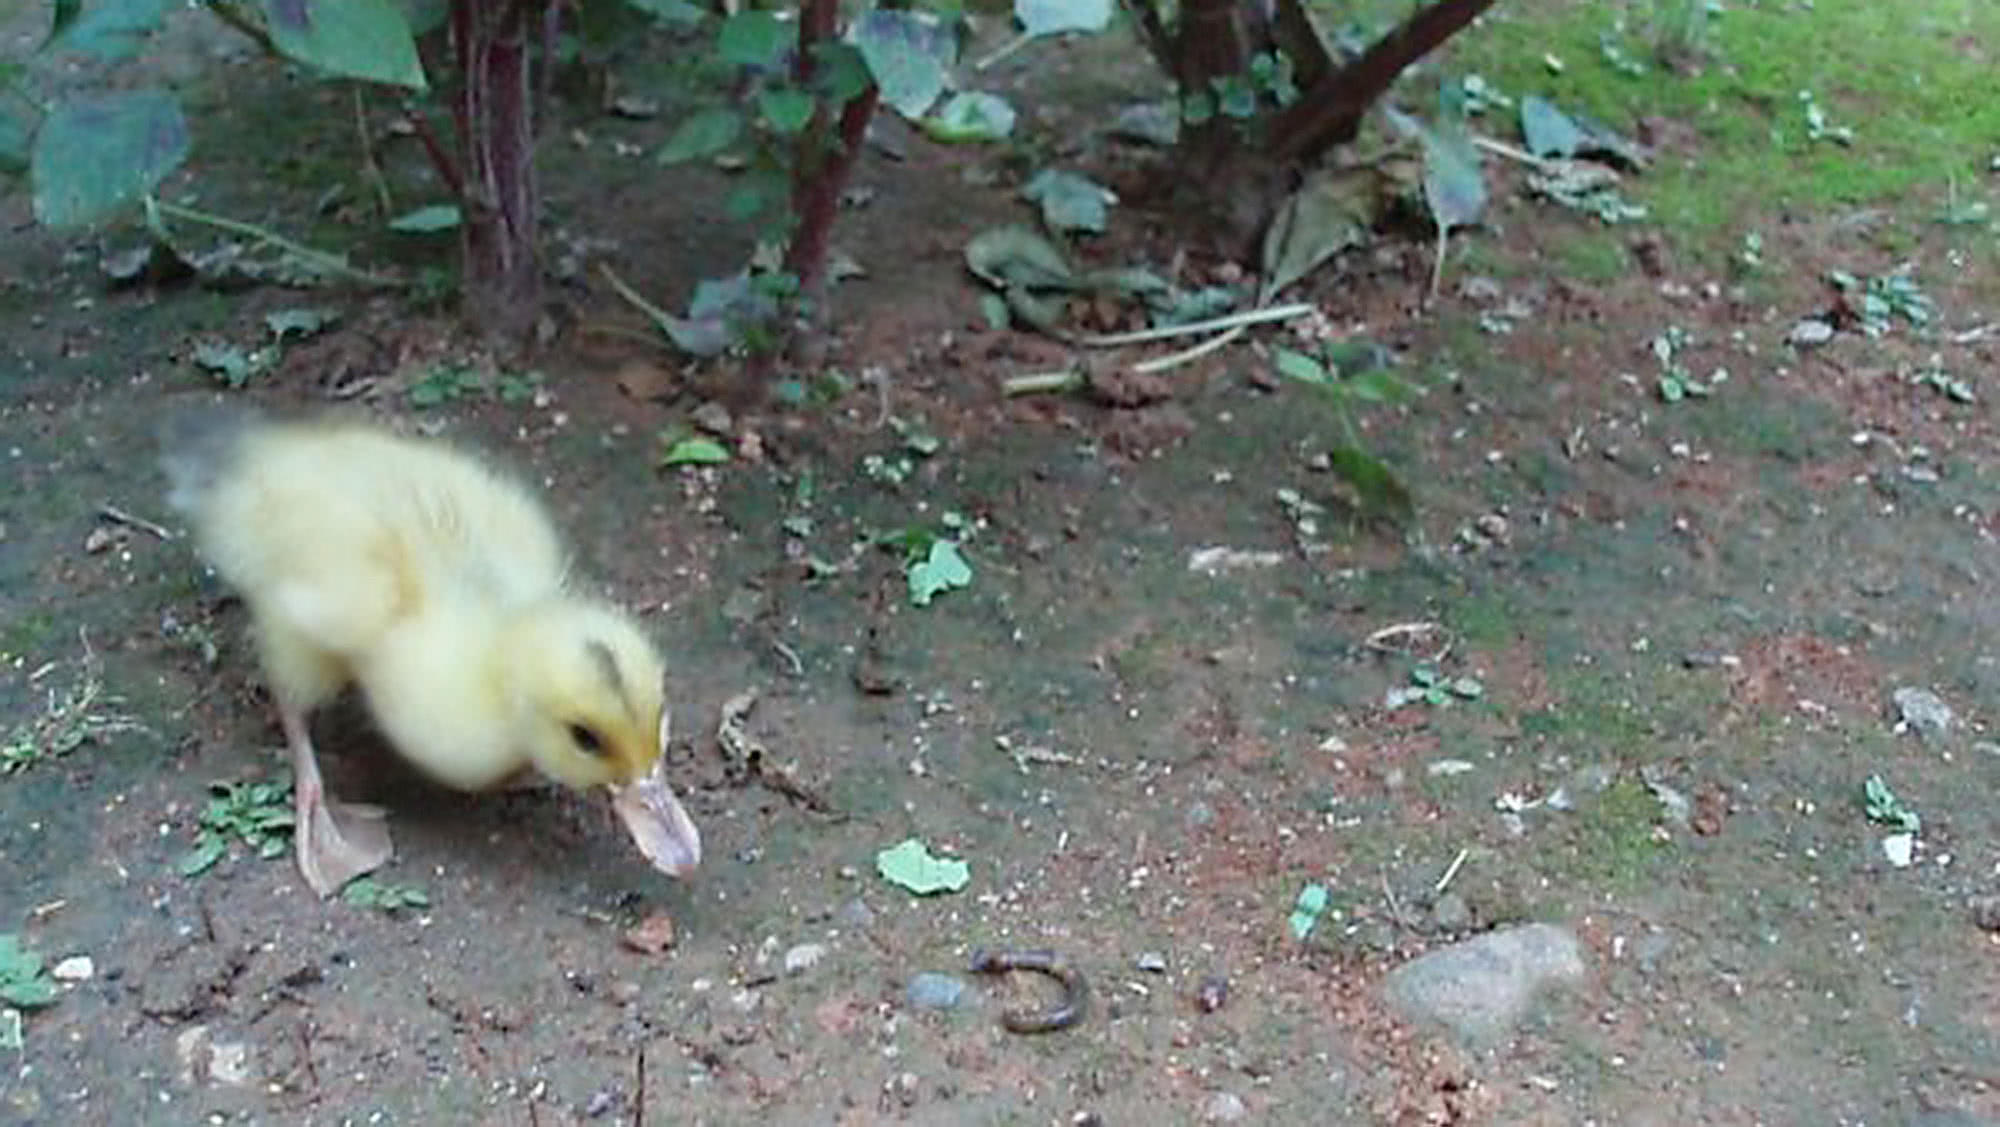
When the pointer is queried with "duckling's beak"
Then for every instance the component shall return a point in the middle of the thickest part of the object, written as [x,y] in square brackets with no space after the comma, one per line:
[655,818]
[658,823]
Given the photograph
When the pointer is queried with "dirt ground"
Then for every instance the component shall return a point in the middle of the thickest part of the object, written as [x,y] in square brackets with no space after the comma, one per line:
[1688,620]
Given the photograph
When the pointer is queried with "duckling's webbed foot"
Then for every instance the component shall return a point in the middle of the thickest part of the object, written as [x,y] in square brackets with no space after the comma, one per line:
[334,841]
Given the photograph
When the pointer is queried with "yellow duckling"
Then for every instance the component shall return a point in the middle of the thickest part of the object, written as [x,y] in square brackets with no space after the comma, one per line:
[437,586]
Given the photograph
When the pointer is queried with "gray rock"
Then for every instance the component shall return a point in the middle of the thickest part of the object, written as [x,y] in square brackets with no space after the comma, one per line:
[1451,912]
[932,991]
[1924,711]
[1152,962]
[855,913]
[804,957]
[1223,1107]
[1952,1118]
[1810,332]
[1480,989]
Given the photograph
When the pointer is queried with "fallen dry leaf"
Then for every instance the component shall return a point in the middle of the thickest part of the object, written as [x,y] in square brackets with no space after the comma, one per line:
[643,381]
[650,936]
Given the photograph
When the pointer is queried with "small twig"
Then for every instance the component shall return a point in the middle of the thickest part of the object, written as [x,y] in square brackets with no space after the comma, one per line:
[1041,383]
[1004,50]
[228,13]
[116,515]
[1196,328]
[791,657]
[639,1082]
[1395,905]
[330,263]
[618,286]
[1502,148]
[1437,263]
[1451,870]
[306,1055]
[1188,355]
[371,168]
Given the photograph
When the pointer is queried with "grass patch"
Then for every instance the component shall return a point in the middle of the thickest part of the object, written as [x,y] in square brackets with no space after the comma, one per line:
[1913,83]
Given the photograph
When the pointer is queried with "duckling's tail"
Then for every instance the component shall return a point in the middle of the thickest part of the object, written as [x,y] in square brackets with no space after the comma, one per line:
[196,444]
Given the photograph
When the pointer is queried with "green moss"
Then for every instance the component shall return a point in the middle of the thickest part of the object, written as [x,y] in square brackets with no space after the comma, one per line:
[1595,255]
[1611,838]
[1484,620]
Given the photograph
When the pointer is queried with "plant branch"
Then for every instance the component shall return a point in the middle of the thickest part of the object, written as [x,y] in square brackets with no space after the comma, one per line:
[1329,112]
[1159,43]
[447,168]
[228,13]
[330,263]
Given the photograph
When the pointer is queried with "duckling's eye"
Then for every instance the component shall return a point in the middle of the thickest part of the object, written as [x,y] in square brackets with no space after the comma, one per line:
[586,739]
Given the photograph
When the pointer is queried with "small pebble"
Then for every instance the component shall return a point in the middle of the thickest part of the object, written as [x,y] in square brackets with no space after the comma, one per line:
[600,1103]
[1152,962]
[650,936]
[932,991]
[1213,994]
[76,968]
[1224,1107]
[1451,912]
[1986,912]
[804,957]
[855,913]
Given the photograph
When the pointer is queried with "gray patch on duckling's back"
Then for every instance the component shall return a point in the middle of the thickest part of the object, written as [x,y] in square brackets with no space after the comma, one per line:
[607,664]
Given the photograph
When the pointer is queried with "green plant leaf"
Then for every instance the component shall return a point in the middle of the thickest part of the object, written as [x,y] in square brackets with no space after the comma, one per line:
[909,54]
[1331,211]
[695,452]
[1382,494]
[673,13]
[841,73]
[1017,256]
[365,39]
[1454,184]
[207,851]
[1069,201]
[428,219]
[98,153]
[1053,17]
[970,116]
[299,322]
[1547,130]
[703,134]
[107,29]
[944,569]
[1299,366]
[22,982]
[787,110]
[911,866]
[755,39]
[1307,910]
[15,135]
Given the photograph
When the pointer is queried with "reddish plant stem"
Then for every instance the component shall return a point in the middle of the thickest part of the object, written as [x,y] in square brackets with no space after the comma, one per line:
[821,164]
[1329,112]
[501,287]
[447,168]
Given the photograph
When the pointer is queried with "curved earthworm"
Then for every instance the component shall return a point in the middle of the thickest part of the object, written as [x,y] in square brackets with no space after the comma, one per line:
[1060,1016]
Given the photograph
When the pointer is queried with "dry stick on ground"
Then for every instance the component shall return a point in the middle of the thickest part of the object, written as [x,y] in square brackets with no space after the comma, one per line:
[1451,870]
[116,515]
[1230,327]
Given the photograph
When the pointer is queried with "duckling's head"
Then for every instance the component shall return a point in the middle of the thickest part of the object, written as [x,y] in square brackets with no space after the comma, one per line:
[593,707]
